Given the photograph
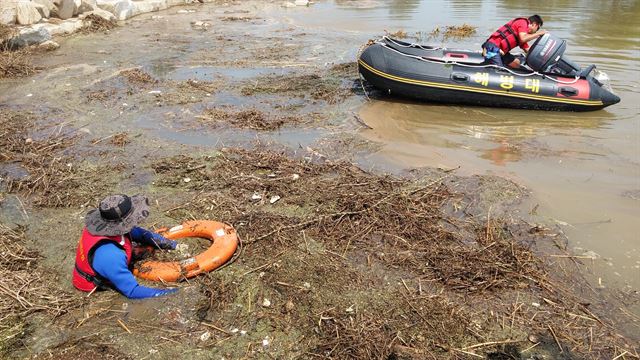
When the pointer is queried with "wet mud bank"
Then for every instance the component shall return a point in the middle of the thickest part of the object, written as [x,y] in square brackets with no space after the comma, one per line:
[338,258]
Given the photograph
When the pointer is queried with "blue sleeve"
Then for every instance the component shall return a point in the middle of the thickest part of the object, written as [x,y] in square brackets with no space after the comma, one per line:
[111,262]
[147,237]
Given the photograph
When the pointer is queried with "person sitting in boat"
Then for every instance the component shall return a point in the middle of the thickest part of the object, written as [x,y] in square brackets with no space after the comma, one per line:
[111,241]
[517,32]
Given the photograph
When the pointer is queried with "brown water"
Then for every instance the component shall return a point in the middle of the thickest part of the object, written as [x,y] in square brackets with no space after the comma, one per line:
[582,168]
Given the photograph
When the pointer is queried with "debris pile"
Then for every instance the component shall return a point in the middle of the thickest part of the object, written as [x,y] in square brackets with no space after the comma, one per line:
[247,119]
[49,176]
[25,288]
[372,266]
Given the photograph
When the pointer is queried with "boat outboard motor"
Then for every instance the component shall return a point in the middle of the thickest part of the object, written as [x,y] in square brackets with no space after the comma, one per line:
[545,56]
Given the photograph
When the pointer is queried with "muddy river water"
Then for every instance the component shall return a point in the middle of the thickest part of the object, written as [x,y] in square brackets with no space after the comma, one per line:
[582,168]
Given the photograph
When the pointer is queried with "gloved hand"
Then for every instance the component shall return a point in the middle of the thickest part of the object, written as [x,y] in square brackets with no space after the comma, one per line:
[163,242]
[143,292]
[165,292]
[490,54]
[148,237]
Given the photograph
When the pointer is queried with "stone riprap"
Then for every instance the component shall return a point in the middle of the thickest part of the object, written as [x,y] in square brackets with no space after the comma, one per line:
[38,20]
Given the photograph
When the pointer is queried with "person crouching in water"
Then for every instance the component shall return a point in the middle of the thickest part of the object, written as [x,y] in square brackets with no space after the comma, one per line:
[517,32]
[108,246]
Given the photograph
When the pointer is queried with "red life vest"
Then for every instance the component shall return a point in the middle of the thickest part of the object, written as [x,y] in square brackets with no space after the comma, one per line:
[84,277]
[506,38]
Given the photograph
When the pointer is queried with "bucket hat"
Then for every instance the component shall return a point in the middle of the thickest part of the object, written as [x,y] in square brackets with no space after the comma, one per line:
[117,215]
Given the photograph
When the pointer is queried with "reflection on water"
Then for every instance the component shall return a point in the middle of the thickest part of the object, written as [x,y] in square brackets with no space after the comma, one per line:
[579,166]
[498,135]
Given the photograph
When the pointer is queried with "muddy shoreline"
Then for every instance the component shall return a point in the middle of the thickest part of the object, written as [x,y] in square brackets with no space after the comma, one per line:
[348,262]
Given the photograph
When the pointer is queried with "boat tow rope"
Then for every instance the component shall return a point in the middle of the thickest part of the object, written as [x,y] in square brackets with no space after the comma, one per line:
[360,77]
[412,45]
[466,65]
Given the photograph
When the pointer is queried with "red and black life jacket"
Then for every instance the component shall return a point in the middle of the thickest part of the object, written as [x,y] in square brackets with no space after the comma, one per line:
[506,38]
[84,277]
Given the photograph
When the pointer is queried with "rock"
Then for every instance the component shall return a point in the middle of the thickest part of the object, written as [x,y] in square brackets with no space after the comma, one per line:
[68,26]
[30,36]
[66,9]
[53,13]
[87,5]
[27,13]
[46,3]
[76,7]
[147,6]
[200,24]
[103,14]
[49,45]
[8,11]
[122,9]
[43,10]
[302,2]
[7,16]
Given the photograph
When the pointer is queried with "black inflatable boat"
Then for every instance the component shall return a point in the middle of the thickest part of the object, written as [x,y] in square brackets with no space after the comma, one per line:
[548,82]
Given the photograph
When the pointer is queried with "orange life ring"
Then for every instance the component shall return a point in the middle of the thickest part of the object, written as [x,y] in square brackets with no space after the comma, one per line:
[224,243]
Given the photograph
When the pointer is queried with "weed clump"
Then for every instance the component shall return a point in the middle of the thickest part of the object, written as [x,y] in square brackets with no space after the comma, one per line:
[94,23]
[247,119]
[138,77]
[329,89]
[453,31]
[15,63]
